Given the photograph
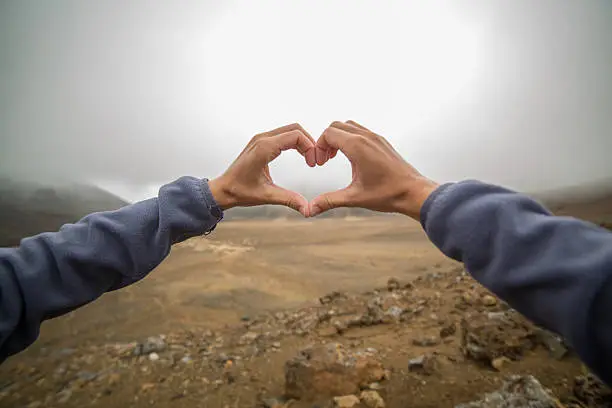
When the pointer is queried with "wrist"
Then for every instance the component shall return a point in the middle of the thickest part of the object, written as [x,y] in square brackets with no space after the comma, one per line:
[416,193]
[221,193]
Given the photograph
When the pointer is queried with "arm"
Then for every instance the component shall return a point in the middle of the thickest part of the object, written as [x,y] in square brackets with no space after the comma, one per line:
[554,270]
[53,273]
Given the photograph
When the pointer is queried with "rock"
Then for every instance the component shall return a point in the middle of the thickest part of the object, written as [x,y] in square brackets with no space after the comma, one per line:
[275,403]
[64,395]
[249,338]
[395,312]
[114,378]
[34,404]
[229,372]
[222,358]
[330,370]
[347,401]
[467,298]
[328,331]
[591,391]
[153,344]
[483,339]
[153,356]
[448,330]
[496,315]
[489,300]
[331,297]
[553,343]
[186,360]
[245,318]
[147,387]
[425,364]
[426,341]
[340,326]
[371,399]
[86,376]
[517,392]
[499,362]
[393,284]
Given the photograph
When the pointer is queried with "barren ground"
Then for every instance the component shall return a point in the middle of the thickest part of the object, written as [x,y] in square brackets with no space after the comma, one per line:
[211,291]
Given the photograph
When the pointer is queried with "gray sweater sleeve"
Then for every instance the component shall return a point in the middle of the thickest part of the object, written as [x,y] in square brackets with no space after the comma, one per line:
[53,273]
[554,270]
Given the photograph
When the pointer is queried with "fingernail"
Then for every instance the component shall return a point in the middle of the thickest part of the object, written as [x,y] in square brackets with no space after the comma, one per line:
[315,210]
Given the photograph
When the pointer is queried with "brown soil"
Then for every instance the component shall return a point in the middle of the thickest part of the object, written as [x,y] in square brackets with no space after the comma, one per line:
[236,306]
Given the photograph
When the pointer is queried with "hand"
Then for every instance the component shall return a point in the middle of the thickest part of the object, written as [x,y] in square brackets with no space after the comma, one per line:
[247,181]
[382,180]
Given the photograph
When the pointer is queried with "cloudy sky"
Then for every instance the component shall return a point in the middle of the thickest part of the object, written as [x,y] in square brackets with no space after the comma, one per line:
[132,94]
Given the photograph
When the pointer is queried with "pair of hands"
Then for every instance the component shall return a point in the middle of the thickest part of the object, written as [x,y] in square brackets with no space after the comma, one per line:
[382,180]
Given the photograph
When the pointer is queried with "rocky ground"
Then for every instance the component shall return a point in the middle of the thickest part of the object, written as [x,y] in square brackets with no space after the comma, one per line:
[440,340]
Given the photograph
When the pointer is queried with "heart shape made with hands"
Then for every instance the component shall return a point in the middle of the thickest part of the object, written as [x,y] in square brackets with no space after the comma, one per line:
[381,179]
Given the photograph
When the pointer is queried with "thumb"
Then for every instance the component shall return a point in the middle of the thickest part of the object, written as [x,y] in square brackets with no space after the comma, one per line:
[288,198]
[327,201]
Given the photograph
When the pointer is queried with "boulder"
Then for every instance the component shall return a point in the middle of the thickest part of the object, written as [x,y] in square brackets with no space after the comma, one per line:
[517,392]
[393,284]
[331,370]
[425,364]
[372,399]
[346,401]
[483,339]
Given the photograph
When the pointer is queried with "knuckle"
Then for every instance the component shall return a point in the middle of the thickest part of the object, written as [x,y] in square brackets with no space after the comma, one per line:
[359,141]
[371,135]
[294,132]
[258,137]
[261,145]
[291,203]
[381,138]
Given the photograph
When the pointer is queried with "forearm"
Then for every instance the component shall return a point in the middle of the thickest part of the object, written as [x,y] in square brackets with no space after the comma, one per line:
[554,270]
[54,273]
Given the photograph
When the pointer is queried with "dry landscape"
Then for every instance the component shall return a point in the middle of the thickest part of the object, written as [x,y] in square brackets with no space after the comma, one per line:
[291,313]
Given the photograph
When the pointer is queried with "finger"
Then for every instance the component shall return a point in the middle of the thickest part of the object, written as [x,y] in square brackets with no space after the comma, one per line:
[274,194]
[321,155]
[353,123]
[332,139]
[296,139]
[328,201]
[351,128]
[325,155]
[376,136]
[288,128]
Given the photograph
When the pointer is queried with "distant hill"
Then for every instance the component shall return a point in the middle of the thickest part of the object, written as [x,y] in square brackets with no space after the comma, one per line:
[28,208]
[590,201]
[277,211]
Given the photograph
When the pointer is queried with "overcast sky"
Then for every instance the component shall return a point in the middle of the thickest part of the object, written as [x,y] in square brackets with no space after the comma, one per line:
[132,94]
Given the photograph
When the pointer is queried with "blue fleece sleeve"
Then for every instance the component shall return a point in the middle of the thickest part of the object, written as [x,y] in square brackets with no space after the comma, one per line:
[554,270]
[53,273]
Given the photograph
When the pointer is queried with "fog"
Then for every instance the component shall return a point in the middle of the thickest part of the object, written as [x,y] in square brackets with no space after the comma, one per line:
[132,94]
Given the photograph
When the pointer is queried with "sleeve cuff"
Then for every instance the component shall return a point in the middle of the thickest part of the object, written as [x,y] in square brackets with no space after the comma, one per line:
[215,211]
[429,203]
